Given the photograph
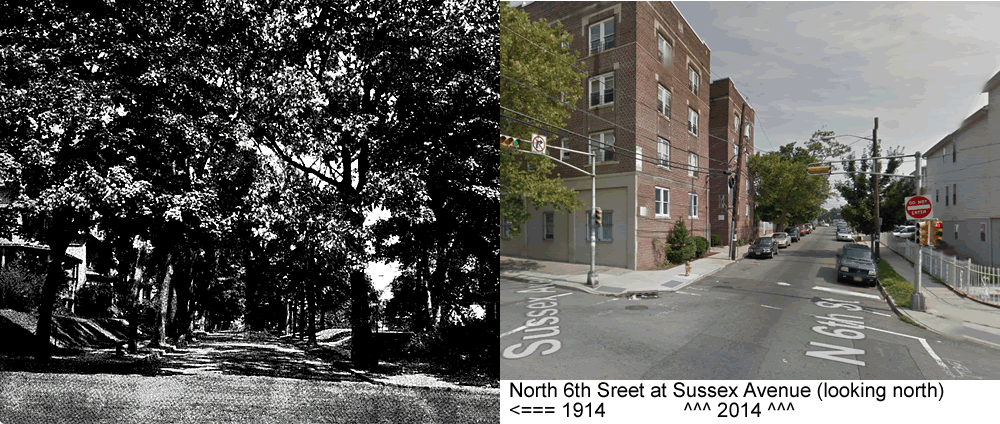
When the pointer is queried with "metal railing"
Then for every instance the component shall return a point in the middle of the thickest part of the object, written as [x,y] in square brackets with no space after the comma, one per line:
[980,282]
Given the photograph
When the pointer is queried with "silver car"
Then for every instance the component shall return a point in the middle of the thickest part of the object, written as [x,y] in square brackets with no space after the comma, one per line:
[844,235]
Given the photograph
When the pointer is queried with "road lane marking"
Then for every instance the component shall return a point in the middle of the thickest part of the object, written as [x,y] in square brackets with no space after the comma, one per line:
[878,313]
[513,331]
[771,307]
[784,284]
[847,292]
[692,294]
[606,301]
[923,342]
[605,312]
[663,314]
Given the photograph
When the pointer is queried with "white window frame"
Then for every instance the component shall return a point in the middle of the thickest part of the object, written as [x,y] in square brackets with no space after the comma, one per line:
[663,98]
[664,50]
[692,205]
[563,154]
[748,210]
[746,131]
[694,79]
[693,164]
[944,153]
[736,150]
[602,36]
[692,121]
[662,206]
[603,91]
[736,122]
[663,153]
[607,225]
[604,138]
[548,230]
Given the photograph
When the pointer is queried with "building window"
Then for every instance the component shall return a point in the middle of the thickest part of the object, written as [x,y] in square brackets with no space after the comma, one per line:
[604,231]
[937,196]
[505,229]
[736,150]
[746,131]
[564,155]
[746,182]
[748,210]
[736,122]
[946,191]
[602,36]
[956,231]
[548,225]
[663,202]
[693,205]
[944,153]
[604,144]
[663,153]
[923,175]
[692,165]
[954,194]
[692,121]
[663,100]
[602,90]
[954,154]
[665,52]
[693,80]
[722,201]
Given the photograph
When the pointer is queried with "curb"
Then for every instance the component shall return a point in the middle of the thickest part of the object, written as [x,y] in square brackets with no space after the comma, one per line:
[560,283]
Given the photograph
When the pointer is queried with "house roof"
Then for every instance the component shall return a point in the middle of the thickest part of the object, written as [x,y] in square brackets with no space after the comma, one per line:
[992,83]
[980,114]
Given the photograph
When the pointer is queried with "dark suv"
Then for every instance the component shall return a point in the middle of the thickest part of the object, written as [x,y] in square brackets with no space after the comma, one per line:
[855,263]
[794,233]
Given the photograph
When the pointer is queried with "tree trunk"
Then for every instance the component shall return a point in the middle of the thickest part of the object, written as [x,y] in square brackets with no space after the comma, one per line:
[54,280]
[311,287]
[363,356]
[160,339]
[134,313]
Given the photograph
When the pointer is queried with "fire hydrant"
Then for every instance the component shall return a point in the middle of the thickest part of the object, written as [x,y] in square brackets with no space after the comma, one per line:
[687,268]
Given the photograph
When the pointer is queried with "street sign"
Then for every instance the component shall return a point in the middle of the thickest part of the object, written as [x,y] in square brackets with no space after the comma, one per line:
[918,207]
[538,143]
[818,170]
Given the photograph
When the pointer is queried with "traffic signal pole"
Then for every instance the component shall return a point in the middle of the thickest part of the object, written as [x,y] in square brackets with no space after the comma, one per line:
[592,279]
[878,223]
[917,297]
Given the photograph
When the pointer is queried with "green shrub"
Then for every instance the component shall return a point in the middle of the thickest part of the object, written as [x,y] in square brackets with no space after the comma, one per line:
[681,244]
[716,239]
[700,246]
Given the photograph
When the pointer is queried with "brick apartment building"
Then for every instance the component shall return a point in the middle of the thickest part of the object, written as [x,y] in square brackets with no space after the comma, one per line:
[646,101]
[727,107]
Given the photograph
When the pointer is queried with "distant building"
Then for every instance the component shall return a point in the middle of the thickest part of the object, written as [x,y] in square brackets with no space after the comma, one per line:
[962,176]
[727,111]
[645,110]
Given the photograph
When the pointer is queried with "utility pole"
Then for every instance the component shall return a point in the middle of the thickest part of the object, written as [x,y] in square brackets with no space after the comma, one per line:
[917,298]
[592,279]
[878,223]
[736,185]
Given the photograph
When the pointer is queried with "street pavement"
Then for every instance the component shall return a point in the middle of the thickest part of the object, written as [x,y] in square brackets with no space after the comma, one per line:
[90,398]
[781,318]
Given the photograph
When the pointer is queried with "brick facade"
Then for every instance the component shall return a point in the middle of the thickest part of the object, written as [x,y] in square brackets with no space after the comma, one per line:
[635,119]
[726,110]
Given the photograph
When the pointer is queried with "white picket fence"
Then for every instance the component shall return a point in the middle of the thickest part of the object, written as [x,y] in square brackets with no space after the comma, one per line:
[977,281]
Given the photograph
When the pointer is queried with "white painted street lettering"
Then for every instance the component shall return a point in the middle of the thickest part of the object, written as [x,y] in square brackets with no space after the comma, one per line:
[541,312]
[833,355]
[841,326]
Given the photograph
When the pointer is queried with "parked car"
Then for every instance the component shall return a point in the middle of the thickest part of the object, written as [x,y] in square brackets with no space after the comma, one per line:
[844,235]
[782,239]
[803,230]
[793,232]
[855,263]
[763,246]
[904,231]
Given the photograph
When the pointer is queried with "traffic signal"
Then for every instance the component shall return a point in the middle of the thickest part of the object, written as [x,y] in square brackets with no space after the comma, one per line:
[924,225]
[598,217]
[507,141]
[938,232]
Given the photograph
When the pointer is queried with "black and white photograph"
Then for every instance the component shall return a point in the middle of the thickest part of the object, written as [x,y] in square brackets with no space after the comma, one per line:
[243,211]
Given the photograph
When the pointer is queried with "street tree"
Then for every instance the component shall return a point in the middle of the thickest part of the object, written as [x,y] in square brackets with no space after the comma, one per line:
[859,190]
[538,78]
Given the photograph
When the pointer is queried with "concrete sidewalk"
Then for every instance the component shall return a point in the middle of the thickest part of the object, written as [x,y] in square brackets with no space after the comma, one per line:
[947,312]
[615,281]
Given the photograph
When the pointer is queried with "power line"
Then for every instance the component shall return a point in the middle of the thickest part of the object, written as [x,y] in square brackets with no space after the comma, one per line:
[637,135]
[593,143]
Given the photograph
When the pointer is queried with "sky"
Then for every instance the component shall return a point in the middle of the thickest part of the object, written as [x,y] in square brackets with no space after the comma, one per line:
[919,67]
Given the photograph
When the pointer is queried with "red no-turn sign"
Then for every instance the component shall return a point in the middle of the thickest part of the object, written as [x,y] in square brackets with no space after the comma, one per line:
[538,143]
[918,207]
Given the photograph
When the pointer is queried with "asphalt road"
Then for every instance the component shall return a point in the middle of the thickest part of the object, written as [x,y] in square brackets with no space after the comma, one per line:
[81,398]
[783,318]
